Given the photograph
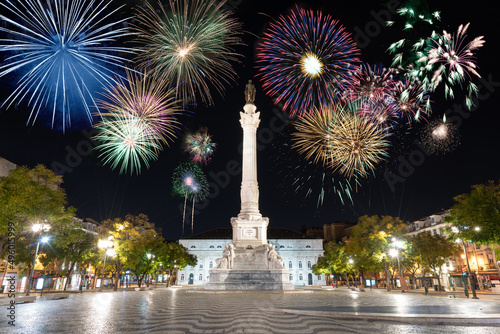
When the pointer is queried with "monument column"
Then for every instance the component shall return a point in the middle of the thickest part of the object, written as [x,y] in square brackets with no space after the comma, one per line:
[249,228]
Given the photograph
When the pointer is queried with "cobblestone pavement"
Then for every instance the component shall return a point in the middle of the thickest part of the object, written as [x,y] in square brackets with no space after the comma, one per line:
[189,311]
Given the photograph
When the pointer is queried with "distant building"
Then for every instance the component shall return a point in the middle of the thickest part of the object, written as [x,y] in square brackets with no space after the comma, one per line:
[299,251]
[6,166]
[481,260]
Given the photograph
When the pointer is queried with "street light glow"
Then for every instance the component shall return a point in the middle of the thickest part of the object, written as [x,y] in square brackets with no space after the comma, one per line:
[45,239]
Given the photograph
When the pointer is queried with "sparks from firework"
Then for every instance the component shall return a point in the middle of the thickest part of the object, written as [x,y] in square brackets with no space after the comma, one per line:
[341,139]
[199,145]
[191,43]
[188,180]
[416,18]
[63,52]
[373,89]
[411,100]
[303,59]
[141,116]
[455,60]
[440,136]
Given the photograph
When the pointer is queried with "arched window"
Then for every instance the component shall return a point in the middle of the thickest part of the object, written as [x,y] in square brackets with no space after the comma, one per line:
[300,264]
[308,264]
[193,246]
[219,246]
[211,265]
[182,277]
[211,246]
[290,264]
[282,246]
[301,278]
[308,246]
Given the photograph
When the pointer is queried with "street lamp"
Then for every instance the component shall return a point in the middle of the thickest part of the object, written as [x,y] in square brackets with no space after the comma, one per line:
[37,228]
[395,253]
[107,245]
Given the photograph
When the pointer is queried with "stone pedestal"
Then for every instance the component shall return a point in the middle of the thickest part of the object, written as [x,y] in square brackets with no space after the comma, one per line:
[249,268]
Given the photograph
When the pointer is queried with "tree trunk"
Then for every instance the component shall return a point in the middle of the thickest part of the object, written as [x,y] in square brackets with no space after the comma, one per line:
[363,282]
[70,271]
[118,271]
[387,282]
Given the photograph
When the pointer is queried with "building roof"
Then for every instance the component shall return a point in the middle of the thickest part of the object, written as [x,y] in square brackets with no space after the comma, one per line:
[6,166]
[227,233]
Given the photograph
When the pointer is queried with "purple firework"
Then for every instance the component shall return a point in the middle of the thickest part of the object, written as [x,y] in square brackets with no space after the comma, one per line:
[303,60]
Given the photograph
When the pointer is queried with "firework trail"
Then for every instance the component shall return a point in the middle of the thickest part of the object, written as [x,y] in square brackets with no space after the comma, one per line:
[188,180]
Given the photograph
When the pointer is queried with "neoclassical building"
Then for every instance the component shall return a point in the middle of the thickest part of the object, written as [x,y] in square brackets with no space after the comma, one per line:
[298,251]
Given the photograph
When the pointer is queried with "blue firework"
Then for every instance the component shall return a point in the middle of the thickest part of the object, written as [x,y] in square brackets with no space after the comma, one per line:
[304,58]
[59,53]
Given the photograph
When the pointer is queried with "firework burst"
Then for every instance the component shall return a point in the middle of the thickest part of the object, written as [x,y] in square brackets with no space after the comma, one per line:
[200,146]
[343,140]
[440,136]
[141,116]
[62,52]
[190,43]
[304,58]
[455,61]
[188,180]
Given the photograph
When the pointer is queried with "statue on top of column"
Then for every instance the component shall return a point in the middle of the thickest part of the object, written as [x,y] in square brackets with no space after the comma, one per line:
[250,92]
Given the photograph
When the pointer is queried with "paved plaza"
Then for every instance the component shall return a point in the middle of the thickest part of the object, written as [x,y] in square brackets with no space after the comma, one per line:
[184,310]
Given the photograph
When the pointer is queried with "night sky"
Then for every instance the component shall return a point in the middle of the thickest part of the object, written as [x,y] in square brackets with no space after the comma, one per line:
[101,193]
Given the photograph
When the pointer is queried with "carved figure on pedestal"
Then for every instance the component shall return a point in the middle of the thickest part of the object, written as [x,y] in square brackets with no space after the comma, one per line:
[250,92]
[274,260]
[227,259]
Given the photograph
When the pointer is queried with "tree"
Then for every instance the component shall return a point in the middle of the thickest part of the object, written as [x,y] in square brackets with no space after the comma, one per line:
[174,257]
[335,261]
[134,238]
[26,196]
[433,250]
[475,216]
[369,241]
[72,245]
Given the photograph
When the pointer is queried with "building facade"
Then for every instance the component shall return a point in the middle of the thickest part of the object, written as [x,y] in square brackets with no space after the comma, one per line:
[299,253]
[480,257]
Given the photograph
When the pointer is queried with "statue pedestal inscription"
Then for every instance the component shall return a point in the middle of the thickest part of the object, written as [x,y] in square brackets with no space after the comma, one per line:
[249,262]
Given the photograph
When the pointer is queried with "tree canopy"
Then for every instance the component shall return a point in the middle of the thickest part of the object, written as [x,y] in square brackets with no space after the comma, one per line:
[476,215]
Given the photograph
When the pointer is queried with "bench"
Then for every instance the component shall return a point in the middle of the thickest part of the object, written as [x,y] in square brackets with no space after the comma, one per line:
[18,300]
[54,296]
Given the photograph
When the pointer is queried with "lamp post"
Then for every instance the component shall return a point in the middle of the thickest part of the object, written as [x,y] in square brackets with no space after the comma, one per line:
[107,245]
[37,228]
[471,282]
